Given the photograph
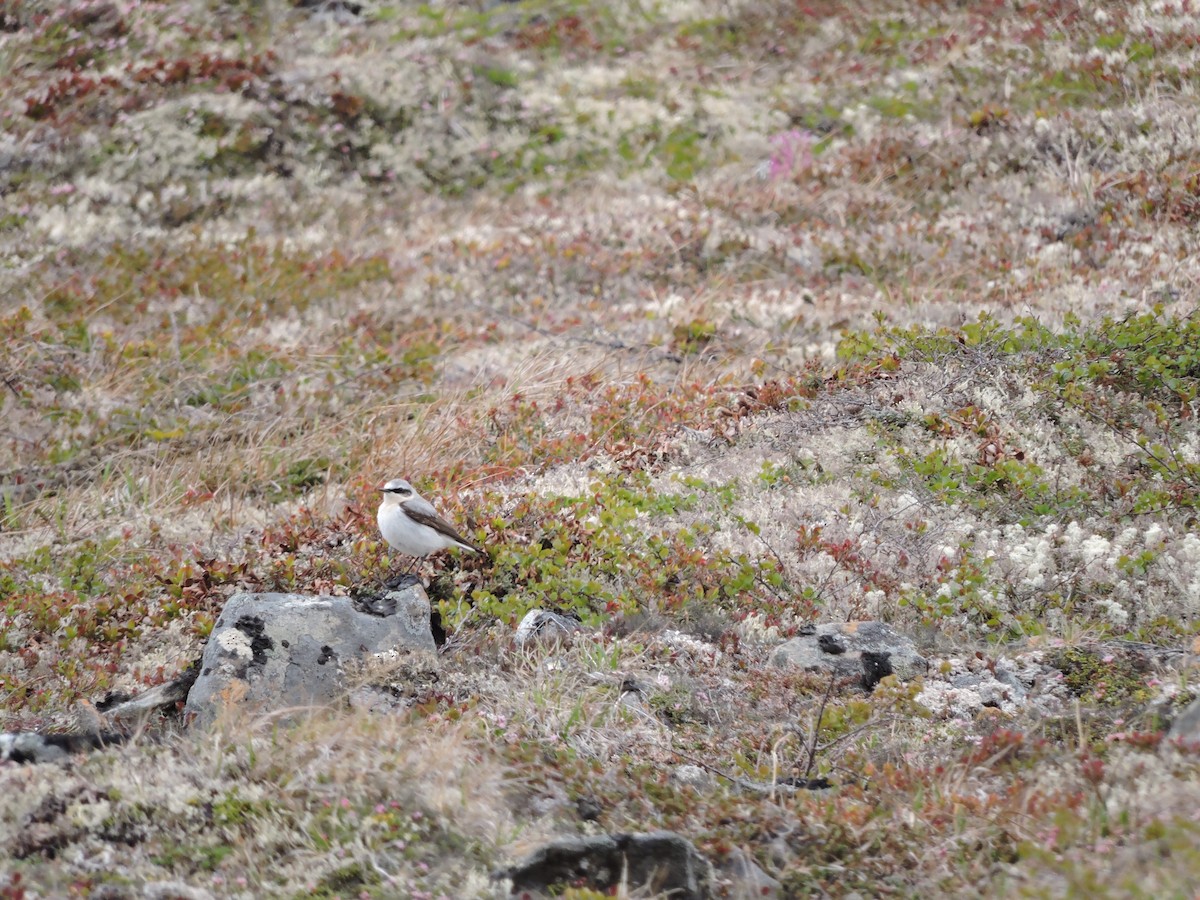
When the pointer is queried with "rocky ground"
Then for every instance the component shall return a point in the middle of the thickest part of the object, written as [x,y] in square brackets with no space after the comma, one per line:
[712,322]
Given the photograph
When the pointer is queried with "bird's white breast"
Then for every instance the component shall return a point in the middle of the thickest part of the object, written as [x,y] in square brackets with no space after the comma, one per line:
[407,536]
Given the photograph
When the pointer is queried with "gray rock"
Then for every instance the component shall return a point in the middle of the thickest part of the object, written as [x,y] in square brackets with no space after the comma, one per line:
[33,747]
[991,690]
[692,776]
[658,863]
[634,701]
[1186,727]
[962,687]
[1010,679]
[275,651]
[747,878]
[163,698]
[866,650]
[106,724]
[174,890]
[540,625]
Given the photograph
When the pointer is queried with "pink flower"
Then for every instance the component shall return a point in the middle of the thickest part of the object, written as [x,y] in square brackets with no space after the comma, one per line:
[793,152]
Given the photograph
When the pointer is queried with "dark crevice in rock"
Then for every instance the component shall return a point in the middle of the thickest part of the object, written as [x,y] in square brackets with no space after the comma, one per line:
[876,667]
[435,626]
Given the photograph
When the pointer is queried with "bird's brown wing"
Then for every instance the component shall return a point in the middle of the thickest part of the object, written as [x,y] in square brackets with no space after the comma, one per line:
[440,525]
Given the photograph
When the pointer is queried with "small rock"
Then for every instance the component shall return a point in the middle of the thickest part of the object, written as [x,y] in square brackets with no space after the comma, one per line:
[174,890]
[961,688]
[691,646]
[692,776]
[867,650]
[33,747]
[1186,727]
[105,724]
[280,650]
[1011,679]
[542,626]
[634,701]
[100,20]
[660,862]
[748,879]
[339,11]
[589,809]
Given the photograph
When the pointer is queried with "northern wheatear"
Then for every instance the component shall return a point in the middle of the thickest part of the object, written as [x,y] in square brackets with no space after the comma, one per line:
[411,525]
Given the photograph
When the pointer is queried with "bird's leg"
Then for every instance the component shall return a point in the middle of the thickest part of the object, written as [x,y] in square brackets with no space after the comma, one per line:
[404,578]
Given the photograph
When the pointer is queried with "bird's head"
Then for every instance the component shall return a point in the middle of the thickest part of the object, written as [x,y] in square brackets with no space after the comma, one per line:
[398,489]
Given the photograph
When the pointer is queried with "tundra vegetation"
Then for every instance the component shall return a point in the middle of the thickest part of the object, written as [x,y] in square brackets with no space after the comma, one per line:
[710,320]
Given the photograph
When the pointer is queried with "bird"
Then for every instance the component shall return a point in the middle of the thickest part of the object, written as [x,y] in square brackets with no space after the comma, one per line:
[410,524]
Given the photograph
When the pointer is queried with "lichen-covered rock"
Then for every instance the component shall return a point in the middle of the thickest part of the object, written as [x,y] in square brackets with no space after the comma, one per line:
[539,625]
[274,651]
[868,650]
[659,863]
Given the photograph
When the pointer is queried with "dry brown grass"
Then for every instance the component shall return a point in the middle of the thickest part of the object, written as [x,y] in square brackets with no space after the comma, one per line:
[560,266]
